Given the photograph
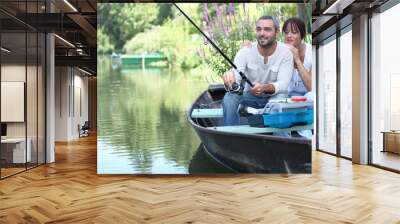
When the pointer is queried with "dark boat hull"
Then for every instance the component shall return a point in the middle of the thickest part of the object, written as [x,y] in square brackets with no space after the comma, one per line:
[250,153]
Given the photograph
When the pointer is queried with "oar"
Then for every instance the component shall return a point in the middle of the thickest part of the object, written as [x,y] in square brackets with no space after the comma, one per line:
[244,77]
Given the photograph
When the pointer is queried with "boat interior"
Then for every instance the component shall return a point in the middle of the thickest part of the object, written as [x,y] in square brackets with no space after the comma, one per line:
[207,112]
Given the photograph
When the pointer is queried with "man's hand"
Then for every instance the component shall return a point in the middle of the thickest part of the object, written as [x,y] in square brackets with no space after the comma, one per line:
[260,89]
[229,78]
[257,90]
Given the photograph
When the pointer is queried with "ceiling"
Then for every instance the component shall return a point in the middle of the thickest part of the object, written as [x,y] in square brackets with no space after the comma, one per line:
[329,15]
[74,22]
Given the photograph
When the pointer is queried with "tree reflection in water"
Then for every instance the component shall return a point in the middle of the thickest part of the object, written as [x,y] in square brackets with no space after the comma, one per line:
[142,119]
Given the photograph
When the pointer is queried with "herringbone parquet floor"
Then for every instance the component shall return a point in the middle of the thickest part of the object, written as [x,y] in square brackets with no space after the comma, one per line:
[70,191]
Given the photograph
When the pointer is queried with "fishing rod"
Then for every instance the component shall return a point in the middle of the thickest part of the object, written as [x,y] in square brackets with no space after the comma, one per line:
[244,77]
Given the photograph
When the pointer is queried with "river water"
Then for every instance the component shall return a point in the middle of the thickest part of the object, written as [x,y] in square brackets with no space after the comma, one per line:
[142,123]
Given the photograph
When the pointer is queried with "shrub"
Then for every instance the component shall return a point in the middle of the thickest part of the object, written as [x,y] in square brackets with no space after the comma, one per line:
[171,39]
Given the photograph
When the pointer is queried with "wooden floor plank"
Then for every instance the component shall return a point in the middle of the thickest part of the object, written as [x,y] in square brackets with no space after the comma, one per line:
[70,191]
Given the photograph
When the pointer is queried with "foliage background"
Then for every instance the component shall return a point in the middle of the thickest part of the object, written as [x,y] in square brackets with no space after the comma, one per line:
[150,27]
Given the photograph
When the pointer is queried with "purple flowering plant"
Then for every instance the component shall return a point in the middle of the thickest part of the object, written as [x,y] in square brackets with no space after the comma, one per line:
[227,25]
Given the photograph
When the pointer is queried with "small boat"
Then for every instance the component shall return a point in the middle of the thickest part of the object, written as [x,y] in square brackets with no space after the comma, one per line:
[144,60]
[244,148]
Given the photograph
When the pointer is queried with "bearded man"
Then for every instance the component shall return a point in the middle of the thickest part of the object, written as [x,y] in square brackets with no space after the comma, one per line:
[268,64]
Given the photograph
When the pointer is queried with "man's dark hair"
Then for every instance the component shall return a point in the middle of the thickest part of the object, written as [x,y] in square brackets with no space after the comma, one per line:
[295,25]
[276,23]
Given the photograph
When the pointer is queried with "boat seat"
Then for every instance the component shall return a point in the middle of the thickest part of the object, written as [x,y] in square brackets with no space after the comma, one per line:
[207,113]
[246,129]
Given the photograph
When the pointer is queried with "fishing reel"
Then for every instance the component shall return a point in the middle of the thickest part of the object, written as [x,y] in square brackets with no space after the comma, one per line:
[235,87]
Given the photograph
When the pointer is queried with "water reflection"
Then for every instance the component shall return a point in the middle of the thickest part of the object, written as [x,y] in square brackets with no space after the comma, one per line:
[142,122]
[202,163]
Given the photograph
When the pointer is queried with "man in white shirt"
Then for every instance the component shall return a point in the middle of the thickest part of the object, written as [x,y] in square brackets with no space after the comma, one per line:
[268,64]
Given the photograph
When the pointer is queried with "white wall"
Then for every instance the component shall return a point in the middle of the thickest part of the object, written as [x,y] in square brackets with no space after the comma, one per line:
[71,94]
[33,126]
[61,103]
[80,115]
[13,101]
[14,73]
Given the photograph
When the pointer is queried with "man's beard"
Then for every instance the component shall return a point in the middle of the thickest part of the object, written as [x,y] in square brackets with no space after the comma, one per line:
[268,44]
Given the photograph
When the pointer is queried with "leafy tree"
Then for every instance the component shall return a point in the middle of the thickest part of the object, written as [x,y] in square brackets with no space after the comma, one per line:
[104,45]
[165,12]
[122,21]
[172,39]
